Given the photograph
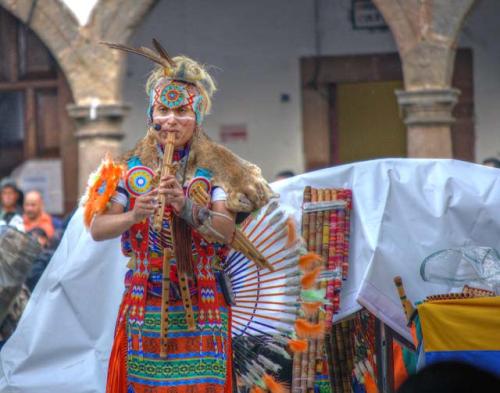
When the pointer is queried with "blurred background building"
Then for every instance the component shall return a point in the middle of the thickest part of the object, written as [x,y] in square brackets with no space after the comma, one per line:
[303,84]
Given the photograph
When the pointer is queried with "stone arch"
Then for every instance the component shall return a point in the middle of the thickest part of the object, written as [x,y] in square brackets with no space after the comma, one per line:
[94,72]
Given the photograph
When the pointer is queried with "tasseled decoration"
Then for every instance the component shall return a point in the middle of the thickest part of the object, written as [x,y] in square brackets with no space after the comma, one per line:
[305,329]
[309,279]
[298,346]
[311,308]
[292,233]
[256,389]
[183,244]
[308,261]
[117,367]
[313,295]
[273,385]
[100,188]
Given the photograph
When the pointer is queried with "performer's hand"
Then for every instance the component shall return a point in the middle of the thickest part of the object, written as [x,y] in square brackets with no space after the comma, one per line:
[174,194]
[144,206]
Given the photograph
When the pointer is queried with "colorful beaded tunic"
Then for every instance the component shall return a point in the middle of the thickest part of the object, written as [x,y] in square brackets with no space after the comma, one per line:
[197,360]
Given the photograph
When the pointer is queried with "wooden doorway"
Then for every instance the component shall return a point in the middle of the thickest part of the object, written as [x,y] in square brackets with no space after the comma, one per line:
[350,111]
[33,98]
[365,121]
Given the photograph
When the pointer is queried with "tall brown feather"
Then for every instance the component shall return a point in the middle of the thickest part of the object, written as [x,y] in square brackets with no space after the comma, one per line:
[147,54]
[162,52]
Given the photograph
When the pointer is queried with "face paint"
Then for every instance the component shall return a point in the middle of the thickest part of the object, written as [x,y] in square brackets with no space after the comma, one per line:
[162,121]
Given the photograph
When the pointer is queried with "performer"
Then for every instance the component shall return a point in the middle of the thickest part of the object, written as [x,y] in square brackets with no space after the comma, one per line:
[189,350]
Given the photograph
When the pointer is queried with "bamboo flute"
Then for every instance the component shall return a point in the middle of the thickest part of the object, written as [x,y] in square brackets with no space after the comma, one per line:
[297,357]
[320,345]
[346,366]
[348,199]
[316,357]
[341,354]
[347,329]
[309,361]
[166,169]
[326,343]
[337,375]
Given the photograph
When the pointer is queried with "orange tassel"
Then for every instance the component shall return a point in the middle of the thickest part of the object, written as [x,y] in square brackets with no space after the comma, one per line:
[273,385]
[308,261]
[256,389]
[306,329]
[291,230]
[311,308]
[309,279]
[298,346]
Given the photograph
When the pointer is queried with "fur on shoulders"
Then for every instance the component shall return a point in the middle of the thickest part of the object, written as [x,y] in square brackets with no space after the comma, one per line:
[242,181]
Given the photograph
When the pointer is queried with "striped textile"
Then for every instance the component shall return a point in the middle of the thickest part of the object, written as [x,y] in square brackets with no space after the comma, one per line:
[196,361]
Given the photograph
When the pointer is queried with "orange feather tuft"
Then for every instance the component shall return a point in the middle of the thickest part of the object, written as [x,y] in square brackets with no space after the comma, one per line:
[311,308]
[256,389]
[309,279]
[298,346]
[305,329]
[99,193]
[273,385]
[308,261]
[292,232]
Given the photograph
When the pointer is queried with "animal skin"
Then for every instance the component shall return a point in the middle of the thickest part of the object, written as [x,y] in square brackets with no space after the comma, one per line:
[242,181]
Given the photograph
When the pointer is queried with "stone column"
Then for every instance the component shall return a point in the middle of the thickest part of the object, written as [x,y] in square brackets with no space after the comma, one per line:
[428,118]
[98,133]
[426,33]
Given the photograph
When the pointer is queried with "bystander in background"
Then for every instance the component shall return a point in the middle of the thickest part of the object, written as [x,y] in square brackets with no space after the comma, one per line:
[11,201]
[284,175]
[43,258]
[492,162]
[35,215]
[451,377]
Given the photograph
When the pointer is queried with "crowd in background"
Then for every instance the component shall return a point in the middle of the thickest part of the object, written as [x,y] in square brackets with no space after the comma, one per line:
[25,212]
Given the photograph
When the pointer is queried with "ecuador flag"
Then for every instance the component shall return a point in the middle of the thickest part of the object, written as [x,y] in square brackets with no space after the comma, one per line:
[465,330]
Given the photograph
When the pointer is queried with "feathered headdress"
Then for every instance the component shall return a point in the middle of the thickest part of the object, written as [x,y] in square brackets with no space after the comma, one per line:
[179,68]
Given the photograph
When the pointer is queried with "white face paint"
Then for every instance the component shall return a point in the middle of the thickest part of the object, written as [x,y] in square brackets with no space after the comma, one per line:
[173,116]
[180,120]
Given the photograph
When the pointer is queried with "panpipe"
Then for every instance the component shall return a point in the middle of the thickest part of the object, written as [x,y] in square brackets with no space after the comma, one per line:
[240,242]
[325,229]
[166,169]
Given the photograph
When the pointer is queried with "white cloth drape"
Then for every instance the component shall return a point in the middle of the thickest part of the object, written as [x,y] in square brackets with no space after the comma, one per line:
[403,210]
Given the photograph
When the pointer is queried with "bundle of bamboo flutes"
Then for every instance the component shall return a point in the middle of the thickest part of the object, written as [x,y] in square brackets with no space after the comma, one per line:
[325,228]
[240,242]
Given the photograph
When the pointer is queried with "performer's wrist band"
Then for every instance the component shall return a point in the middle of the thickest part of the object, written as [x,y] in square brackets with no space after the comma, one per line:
[200,218]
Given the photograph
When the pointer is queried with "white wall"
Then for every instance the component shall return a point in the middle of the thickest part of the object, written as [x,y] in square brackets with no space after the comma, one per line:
[255,47]
[481,33]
